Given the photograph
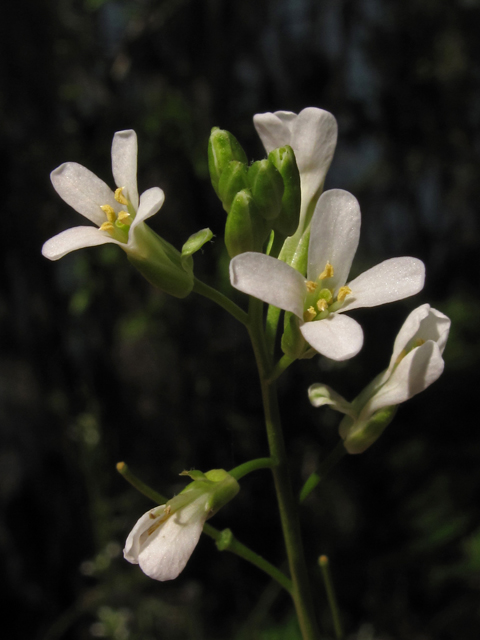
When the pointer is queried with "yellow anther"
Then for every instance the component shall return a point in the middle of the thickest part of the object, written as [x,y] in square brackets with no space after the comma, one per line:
[119,197]
[419,342]
[311,286]
[107,226]
[343,293]
[322,304]
[124,217]
[327,272]
[309,314]
[109,212]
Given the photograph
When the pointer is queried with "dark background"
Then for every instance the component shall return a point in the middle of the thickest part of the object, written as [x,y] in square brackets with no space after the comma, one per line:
[98,367]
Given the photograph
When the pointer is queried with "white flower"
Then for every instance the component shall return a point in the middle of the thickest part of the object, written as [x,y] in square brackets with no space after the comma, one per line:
[164,538]
[312,134]
[162,542]
[320,300]
[119,214]
[416,362]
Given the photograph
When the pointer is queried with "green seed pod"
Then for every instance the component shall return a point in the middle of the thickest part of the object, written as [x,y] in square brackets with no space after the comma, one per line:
[233,179]
[223,147]
[267,188]
[284,161]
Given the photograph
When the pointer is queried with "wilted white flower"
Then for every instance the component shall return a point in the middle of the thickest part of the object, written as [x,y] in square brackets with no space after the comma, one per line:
[416,362]
[320,299]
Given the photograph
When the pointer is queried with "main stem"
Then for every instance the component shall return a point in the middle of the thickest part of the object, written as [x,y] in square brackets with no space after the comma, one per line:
[287,504]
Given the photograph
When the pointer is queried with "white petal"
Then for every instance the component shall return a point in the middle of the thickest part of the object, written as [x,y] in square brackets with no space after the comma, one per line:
[75,238]
[82,190]
[334,236]
[390,280]
[169,548]
[408,331]
[274,128]
[336,337]
[151,201]
[416,372]
[321,395]
[124,163]
[314,137]
[270,280]
[133,544]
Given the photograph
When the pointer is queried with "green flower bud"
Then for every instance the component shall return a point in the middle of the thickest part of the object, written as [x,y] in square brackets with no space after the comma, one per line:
[161,264]
[245,229]
[223,147]
[284,161]
[364,435]
[293,343]
[233,179]
[266,185]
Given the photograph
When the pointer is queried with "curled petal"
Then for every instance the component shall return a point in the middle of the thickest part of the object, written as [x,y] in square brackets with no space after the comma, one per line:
[163,551]
[414,374]
[274,129]
[336,337]
[75,238]
[82,190]
[124,163]
[270,280]
[151,201]
[334,235]
[390,280]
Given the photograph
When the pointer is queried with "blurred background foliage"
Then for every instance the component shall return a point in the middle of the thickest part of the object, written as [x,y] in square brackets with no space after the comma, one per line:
[98,367]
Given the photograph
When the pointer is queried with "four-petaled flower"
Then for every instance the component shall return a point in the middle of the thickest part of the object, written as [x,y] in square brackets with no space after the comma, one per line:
[416,362]
[119,214]
[320,299]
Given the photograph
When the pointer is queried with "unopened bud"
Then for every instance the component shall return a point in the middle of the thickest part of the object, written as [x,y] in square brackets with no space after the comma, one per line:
[245,229]
[284,161]
[266,185]
[233,179]
[223,147]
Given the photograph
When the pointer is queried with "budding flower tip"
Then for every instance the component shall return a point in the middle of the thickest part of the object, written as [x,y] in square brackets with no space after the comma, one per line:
[121,466]
[323,561]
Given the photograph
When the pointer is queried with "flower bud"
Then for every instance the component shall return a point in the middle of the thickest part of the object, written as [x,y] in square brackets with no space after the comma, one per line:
[266,185]
[360,436]
[223,147]
[233,179]
[245,230]
[284,161]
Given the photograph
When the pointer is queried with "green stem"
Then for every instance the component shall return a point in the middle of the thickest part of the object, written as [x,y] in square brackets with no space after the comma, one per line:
[287,505]
[332,601]
[284,362]
[330,461]
[224,302]
[271,325]
[251,465]
[225,540]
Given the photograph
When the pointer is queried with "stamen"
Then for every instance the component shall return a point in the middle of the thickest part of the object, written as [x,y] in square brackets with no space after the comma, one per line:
[125,218]
[107,226]
[419,342]
[109,212]
[311,286]
[309,314]
[327,272]
[119,197]
[343,292]
[322,304]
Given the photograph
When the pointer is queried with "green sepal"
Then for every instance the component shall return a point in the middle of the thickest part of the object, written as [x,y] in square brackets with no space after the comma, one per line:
[161,264]
[245,229]
[194,474]
[233,179]
[299,258]
[293,343]
[359,438]
[266,185]
[223,147]
[194,243]
[284,161]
